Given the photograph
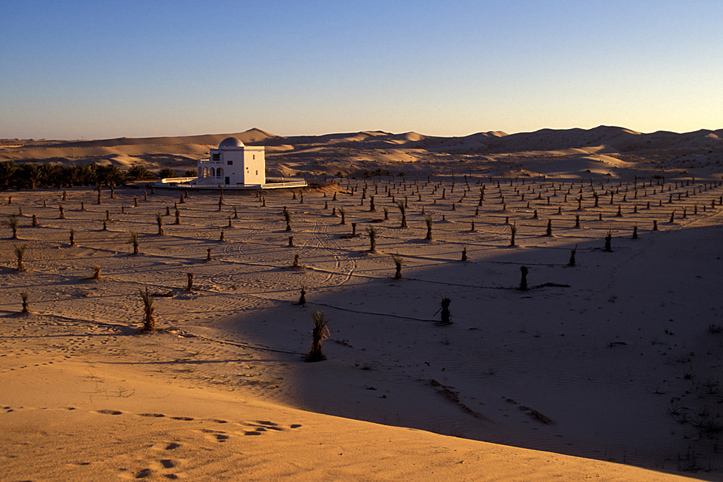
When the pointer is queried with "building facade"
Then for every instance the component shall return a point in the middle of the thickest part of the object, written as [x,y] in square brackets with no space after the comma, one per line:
[233,164]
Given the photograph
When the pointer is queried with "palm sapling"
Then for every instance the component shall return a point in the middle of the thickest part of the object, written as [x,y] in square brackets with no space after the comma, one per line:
[318,335]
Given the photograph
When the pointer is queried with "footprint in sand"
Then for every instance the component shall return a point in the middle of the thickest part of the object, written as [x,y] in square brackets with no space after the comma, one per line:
[216,435]
[110,412]
[261,426]
[185,419]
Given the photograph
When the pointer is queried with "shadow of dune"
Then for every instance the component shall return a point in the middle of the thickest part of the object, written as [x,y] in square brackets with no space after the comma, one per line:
[594,360]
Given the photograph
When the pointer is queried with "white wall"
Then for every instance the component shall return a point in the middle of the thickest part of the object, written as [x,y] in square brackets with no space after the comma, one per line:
[248,166]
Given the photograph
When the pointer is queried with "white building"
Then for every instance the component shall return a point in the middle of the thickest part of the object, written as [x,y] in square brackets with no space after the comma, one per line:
[233,164]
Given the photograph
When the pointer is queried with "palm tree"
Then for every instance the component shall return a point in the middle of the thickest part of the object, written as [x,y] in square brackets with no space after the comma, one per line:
[513,232]
[134,241]
[428,220]
[318,335]
[287,217]
[26,308]
[342,213]
[608,239]
[149,323]
[372,232]
[398,266]
[7,173]
[19,253]
[12,223]
[159,221]
[403,211]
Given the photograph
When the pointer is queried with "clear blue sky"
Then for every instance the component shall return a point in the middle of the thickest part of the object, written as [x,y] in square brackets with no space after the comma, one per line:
[97,69]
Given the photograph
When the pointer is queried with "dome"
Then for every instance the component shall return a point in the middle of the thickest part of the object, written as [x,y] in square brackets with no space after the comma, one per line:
[230,142]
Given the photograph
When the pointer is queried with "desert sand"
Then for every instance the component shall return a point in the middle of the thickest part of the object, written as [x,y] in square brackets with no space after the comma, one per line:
[608,369]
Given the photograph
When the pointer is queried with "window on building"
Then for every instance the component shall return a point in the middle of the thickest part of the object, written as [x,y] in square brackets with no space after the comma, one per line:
[216,156]
[219,172]
[229,163]
[213,172]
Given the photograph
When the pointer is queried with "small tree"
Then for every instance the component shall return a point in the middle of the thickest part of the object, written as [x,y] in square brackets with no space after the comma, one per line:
[318,335]
[523,278]
[608,239]
[403,212]
[513,232]
[189,285]
[428,221]
[342,213]
[19,254]
[72,237]
[372,232]
[446,318]
[96,272]
[134,242]
[397,265]
[149,322]
[12,223]
[159,222]
[572,257]
[287,217]
[302,298]
[26,308]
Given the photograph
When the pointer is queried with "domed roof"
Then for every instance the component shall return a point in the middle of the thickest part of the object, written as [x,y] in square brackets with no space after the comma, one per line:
[230,142]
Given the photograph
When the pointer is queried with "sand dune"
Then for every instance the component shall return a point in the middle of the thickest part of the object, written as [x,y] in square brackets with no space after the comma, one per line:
[697,153]
[609,368]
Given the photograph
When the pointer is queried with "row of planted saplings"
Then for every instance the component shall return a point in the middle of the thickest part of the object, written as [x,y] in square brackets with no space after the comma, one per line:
[13,224]
[596,197]
[404,205]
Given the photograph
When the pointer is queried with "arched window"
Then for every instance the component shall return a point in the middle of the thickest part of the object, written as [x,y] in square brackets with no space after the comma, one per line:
[205,172]
[219,172]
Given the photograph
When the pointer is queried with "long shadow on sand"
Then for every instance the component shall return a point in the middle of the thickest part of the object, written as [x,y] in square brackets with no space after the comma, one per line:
[610,359]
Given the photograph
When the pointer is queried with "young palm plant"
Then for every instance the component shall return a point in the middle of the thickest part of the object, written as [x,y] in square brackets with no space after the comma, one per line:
[149,322]
[12,223]
[428,220]
[342,213]
[26,307]
[134,241]
[513,233]
[403,211]
[397,265]
[608,240]
[287,217]
[19,254]
[318,335]
[372,232]
[159,222]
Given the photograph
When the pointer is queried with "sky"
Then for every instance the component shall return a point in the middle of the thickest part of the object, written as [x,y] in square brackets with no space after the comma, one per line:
[102,69]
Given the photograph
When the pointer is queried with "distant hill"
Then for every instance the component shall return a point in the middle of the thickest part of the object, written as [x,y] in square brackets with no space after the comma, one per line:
[379,151]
